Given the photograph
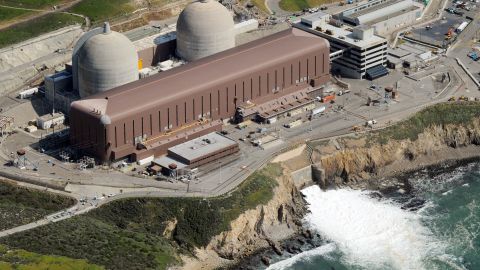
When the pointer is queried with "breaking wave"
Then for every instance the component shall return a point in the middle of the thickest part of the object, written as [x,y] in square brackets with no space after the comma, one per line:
[371,233]
[303,257]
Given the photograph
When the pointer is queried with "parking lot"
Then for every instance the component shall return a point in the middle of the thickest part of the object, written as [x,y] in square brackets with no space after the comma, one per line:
[436,33]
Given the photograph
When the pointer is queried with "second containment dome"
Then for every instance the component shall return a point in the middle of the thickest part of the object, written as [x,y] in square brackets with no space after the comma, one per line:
[204,28]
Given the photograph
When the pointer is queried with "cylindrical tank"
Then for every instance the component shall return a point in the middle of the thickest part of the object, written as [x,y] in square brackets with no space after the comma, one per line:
[204,28]
[105,61]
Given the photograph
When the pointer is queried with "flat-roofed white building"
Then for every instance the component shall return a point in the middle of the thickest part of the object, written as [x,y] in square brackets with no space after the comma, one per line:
[385,16]
[354,51]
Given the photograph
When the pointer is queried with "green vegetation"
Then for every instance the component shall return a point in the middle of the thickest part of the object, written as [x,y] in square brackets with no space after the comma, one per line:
[36,27]
[298,5]
[20,205]
[33,4]
[128,233]
[10,14]
[98,11]
[261,5]
[440,114]
[21,259]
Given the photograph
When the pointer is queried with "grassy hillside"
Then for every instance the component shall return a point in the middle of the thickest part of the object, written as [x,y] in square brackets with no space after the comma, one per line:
[440,114]
[297,5]
[20,206]
[11,14]
[128,234]
[31,29]
[99,11]
[34,4]
[24,260]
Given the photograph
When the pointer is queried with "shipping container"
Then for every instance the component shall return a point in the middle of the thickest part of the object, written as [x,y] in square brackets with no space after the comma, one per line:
[327,99]
[461,27]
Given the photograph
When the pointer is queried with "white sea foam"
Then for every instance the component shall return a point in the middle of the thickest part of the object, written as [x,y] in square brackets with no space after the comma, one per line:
[303,257]
[376,234]
[447,192]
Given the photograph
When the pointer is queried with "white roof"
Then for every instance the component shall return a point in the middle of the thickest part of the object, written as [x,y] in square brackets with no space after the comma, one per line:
[202,146]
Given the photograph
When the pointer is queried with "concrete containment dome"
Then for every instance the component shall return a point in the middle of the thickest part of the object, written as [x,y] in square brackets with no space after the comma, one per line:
[106,60]
[204,28]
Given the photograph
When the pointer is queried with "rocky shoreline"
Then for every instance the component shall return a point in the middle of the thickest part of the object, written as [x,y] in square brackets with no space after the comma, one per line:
[396,186]
[356,162]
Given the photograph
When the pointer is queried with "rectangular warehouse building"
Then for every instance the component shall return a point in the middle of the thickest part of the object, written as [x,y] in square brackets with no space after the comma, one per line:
[148,116]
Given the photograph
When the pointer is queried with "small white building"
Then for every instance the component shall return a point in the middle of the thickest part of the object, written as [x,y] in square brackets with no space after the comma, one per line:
[49,120]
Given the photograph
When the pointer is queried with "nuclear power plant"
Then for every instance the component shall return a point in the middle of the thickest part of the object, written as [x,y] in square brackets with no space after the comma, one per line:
[115,115]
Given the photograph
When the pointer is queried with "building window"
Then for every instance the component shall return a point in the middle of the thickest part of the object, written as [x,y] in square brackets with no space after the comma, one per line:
[251,88]
[168,118]
[243,91]
[151,125]
[176,114]
[133,129]
[159,122]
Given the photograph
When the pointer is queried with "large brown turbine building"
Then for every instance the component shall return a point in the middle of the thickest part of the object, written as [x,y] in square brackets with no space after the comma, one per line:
[148,116]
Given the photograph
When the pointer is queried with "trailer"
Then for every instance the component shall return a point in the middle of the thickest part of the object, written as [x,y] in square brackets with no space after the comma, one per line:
[461,27]
[294,123]
[318,110]
[28,93]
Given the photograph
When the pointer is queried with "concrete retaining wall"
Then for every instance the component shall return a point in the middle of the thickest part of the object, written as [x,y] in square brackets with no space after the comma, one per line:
[309,175]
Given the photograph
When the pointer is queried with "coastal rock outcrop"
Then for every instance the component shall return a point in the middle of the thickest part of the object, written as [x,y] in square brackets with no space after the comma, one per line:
[435,144]
[265,225]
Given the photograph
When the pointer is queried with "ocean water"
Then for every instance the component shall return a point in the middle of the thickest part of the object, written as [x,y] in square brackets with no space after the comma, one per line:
[364,231]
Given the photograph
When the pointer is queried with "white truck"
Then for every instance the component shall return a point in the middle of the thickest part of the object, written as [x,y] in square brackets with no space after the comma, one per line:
[370,123]
[343,92]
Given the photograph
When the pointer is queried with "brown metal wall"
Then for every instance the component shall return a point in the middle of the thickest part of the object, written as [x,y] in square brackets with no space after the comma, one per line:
[218,102]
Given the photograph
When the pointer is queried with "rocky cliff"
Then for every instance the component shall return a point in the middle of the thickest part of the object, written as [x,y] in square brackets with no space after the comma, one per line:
[265,225]
[436,144]
[262,227]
